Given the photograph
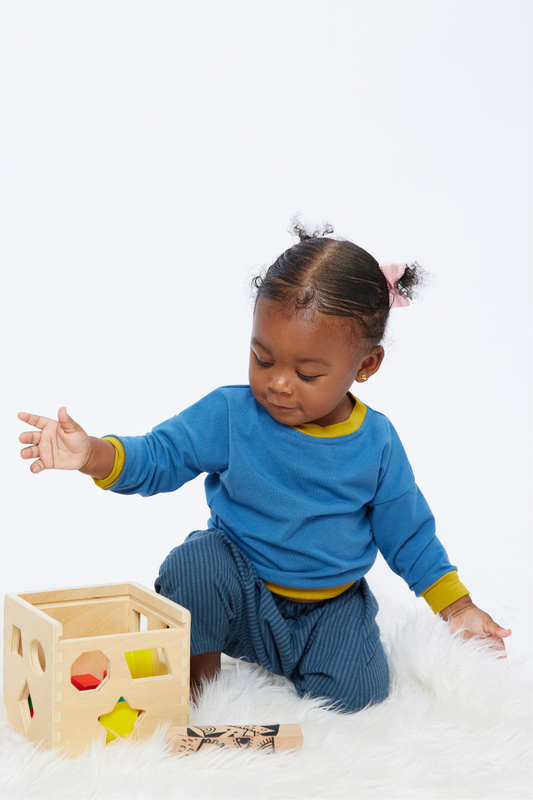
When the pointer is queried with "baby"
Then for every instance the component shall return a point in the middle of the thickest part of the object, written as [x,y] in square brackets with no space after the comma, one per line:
[304,483]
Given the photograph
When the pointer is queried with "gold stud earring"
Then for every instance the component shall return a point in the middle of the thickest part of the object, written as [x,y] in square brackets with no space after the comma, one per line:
[363,377]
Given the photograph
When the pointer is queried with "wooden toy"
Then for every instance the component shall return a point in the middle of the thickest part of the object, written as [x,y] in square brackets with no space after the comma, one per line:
[78,667]
[84,682]
[269,738]
[120,721]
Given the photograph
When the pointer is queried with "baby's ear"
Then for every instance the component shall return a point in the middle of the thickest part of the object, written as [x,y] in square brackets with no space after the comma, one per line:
[370,365]
[379,354]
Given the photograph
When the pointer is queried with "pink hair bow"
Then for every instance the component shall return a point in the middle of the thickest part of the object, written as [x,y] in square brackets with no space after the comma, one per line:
[393,271]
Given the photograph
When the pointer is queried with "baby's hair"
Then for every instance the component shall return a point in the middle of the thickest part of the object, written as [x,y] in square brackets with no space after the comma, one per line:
[336,277]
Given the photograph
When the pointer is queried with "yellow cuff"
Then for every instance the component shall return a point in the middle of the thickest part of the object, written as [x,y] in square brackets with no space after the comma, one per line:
[444,592]
[118,466]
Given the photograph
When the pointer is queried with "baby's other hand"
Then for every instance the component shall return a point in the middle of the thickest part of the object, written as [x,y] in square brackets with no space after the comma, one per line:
[61,444]
[475,622]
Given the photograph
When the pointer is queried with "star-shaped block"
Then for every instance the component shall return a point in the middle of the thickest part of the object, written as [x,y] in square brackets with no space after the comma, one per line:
[120,721]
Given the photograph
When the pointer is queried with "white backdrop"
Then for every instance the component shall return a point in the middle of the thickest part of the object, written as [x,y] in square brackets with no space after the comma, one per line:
[152,155]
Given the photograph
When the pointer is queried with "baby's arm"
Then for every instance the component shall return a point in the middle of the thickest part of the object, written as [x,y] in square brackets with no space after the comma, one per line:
[475,622]
[63,444]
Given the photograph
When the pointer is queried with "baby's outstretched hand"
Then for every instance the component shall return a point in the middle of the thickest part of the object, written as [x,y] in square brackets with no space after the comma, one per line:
[61,444]
[463,614]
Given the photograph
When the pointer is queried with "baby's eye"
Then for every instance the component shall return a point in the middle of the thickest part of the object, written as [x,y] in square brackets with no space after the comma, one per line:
[308,377]
[262,363]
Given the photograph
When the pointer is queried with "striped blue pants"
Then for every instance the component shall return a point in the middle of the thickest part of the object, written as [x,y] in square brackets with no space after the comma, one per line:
[329,649]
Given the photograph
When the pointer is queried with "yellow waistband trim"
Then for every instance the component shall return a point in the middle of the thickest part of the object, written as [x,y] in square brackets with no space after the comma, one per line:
[352,424]
[118,466]
[444,592]
[309,594]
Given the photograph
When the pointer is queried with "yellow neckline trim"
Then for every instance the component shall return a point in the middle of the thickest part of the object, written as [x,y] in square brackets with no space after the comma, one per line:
[352,424]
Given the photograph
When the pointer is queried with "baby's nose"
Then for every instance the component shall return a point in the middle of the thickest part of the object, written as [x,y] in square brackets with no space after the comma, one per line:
[280,382]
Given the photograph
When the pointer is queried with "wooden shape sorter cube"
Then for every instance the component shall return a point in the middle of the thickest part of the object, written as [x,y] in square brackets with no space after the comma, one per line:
[95,635]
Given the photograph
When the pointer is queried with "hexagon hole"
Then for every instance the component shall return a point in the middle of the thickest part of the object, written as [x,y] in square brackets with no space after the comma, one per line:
[90,671]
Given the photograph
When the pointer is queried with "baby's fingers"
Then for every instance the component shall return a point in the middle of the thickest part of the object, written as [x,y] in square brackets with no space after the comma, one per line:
[30,437]
[30,452]
[495,631]
[33,419]
[33,452]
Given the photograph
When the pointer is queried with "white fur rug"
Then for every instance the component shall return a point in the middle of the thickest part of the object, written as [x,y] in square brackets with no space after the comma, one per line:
[456,725]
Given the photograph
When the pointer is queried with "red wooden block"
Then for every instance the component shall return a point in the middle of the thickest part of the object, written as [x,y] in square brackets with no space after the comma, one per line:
[85,682]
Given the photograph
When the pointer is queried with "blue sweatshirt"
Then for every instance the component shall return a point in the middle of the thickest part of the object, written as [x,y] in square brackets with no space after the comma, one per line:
[308,511]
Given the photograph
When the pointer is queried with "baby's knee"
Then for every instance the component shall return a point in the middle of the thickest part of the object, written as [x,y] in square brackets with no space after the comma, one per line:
[374,679]
[371,683]
[201,575]
[348,690]
[202,560]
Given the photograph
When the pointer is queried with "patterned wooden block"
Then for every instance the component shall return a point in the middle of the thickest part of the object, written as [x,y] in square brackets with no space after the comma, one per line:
[269,738]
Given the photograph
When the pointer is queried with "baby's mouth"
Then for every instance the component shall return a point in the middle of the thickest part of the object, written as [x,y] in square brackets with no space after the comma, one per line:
[281,408]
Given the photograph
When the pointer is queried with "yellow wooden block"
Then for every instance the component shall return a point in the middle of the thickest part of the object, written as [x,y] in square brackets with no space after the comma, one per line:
[120,721]
[140,664]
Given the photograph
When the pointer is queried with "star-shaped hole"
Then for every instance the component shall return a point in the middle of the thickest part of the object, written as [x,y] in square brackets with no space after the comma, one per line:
[121,721]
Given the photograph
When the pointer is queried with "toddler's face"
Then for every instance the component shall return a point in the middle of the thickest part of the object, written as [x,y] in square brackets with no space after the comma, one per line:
[302,364]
